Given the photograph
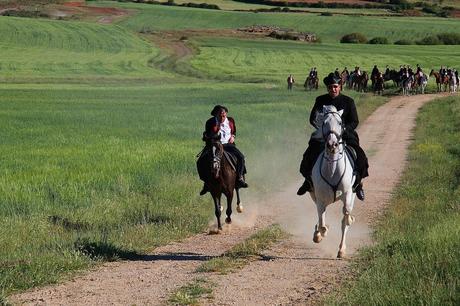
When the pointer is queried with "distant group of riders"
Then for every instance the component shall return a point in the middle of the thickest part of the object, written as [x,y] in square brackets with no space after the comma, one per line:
[409,80]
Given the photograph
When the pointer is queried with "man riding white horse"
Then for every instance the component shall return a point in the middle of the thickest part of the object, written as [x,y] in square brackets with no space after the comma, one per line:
[350,137]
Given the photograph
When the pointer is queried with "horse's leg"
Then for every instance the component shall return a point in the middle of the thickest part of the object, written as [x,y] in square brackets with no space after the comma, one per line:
[229,196]
[239,206]
[347,220]
[217,209]
[320,228]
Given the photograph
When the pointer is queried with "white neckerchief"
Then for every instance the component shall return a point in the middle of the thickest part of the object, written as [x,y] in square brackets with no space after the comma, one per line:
[225,131]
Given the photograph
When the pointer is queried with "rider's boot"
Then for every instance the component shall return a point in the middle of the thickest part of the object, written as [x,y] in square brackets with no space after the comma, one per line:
[358,187]
[306,186]
[240,183]
[204,190]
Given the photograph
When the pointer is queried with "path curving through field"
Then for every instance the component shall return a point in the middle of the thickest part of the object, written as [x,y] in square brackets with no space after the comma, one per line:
[295,271]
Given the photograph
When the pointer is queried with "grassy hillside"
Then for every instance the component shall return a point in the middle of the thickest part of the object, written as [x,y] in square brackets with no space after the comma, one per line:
[44,50]
[329,29]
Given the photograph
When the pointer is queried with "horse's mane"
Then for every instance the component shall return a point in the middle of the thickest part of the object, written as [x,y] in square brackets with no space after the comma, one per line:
[320,114]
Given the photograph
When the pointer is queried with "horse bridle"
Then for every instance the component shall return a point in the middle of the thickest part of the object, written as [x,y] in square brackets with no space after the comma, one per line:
[338,135]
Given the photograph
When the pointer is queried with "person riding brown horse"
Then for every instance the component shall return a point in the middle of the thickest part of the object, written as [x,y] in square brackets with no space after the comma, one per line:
[223,128]
[350,121]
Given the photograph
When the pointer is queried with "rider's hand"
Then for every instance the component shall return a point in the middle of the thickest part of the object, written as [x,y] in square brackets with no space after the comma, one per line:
[232,139]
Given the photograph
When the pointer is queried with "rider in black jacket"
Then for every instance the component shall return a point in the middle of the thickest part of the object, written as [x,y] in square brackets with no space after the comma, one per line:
[350,121]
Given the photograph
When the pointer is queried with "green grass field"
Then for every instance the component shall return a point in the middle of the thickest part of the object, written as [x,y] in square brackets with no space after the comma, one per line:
[415,259]
[329,29]
[98,145]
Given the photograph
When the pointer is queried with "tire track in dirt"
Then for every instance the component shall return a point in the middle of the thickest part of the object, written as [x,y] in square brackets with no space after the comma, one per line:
[293,272]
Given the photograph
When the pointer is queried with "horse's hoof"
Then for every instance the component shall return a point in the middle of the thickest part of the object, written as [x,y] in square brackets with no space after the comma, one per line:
[341,254]
[323,231]
[228,220]
[239,208]
[214,231]
[317,237]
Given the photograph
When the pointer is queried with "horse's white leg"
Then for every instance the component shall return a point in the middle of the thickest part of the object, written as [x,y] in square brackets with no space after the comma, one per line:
[347,220]
[321,228]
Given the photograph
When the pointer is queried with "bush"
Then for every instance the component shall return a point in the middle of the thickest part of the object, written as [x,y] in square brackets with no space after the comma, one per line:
[354,38]
[404,42]
[379,41]
[429,40]
[441,39]
[449,38]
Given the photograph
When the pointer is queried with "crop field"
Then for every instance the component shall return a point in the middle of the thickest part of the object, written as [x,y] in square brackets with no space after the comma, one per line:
[329,28]
[98,145]
[42,51]
[260,61]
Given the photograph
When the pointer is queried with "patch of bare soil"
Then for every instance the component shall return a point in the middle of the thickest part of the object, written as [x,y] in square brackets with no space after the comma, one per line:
[362,2]
[294,272]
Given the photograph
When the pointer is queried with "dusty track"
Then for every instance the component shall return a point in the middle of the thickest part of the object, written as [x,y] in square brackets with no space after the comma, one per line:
[297,272]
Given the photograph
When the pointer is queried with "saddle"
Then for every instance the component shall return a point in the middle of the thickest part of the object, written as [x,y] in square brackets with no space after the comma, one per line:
[232,160]
[351,153]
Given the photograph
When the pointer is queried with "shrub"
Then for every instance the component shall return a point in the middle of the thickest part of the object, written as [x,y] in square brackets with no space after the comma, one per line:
[379,41]
[449,38]
[404,42]
[354,38]
[429,40]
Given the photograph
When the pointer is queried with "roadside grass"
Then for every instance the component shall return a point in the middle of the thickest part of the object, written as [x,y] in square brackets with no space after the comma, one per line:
[242,253]
[191,293]
[415,259]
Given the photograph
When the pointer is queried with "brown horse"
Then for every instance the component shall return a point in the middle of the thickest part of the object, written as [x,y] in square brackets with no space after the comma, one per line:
[311,83]
[440,80]
[221,179]
[359,82]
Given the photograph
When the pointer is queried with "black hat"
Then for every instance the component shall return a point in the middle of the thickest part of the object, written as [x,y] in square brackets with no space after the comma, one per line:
[331,79]
[216,110]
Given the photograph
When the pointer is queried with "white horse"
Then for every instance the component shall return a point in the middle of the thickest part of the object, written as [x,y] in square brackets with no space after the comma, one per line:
[406,85]
[452,83]
[332,174]
[421,84]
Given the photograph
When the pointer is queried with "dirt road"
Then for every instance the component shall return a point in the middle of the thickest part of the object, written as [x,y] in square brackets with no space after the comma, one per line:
[297,272]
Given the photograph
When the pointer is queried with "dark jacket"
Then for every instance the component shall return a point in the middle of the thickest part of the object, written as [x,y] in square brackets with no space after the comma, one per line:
[349,116]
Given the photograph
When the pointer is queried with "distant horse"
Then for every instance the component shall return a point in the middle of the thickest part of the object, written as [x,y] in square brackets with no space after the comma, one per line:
[359,82]
[378,84]
[407,85]
[452,83]
[392,75]
[332,175]
[420,83]
[221,179]
[311,83]
[440,80]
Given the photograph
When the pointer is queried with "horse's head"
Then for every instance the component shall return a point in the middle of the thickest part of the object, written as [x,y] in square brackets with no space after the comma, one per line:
[330,121]
[217,151]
